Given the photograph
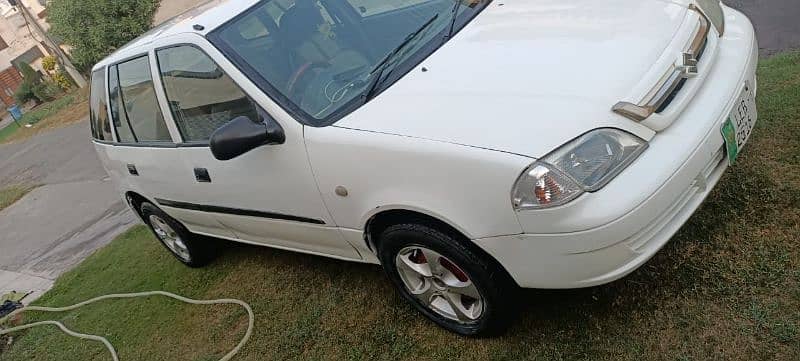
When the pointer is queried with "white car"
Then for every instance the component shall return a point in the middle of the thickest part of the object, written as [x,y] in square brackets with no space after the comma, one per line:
[470,147]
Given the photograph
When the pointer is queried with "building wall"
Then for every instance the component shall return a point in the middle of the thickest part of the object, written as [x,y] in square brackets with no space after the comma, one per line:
[9,82]
[39,11]
[18,37]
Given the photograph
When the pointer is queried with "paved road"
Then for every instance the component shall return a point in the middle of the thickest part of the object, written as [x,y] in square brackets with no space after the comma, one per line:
[777,23]
[171,8]
[75,211]
[61,156]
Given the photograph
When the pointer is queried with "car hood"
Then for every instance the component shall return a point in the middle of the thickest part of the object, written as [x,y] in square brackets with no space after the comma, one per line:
[528,76]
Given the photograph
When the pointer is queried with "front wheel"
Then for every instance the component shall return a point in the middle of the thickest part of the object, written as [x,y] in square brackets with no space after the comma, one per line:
[185,246]
[449,283]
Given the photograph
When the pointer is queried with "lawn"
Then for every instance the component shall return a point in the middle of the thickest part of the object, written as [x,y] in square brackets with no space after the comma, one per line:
[11,194]
[727,287]
[68,109]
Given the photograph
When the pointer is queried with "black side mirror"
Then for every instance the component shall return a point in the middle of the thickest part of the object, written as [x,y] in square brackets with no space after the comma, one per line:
[242,135]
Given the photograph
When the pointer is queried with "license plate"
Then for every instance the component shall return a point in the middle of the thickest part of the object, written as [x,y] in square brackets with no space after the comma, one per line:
[740,123]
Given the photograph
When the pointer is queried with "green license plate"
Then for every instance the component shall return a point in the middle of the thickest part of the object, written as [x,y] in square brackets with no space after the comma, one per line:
[737,128]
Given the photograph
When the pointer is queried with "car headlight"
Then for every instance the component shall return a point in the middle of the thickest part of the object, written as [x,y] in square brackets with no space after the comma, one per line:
[714,12]
[585,164]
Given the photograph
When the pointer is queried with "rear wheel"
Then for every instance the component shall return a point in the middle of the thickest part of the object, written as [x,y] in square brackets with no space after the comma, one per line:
[185,246]
[449,283]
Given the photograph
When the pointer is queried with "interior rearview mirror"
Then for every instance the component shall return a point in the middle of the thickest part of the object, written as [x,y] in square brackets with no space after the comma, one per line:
[242,135]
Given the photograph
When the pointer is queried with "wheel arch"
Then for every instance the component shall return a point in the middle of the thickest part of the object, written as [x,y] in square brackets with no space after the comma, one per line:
[135,201]
[381,219]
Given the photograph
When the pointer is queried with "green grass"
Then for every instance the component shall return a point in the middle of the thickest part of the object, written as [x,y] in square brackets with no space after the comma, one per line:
[726,288]
[8,131]
[11,194]
[37,114]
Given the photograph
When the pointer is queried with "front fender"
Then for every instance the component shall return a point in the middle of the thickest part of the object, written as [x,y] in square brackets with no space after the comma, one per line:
[466,187]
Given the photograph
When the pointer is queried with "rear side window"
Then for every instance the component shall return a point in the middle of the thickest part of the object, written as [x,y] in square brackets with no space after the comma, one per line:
[98,114]
[201,97]
[136,103]
[124,132]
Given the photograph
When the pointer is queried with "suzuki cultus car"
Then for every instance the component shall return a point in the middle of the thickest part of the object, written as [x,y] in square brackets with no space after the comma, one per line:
[469,147]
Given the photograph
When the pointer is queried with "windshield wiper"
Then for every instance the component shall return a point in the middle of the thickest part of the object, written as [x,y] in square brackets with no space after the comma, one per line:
[452,28]
[381,67]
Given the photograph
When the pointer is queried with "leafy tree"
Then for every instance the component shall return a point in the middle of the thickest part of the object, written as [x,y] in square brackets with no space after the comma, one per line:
[30,79]
[95,28]
[28,74]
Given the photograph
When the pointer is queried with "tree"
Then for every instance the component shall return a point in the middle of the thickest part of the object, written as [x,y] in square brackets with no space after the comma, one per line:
[30,80]
[95,28]
[28,74]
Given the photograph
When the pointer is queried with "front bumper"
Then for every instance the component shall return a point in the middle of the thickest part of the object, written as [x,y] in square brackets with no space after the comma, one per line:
[606,235]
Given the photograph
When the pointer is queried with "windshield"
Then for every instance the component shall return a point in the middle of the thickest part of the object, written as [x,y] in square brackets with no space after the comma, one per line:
[321,59]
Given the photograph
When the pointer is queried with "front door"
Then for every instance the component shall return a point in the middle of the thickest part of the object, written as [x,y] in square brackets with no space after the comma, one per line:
[266,196]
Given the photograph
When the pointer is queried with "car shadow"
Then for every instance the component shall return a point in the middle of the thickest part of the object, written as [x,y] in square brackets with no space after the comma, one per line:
[641,292]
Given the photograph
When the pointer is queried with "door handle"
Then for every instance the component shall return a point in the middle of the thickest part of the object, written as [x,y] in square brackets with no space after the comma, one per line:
[201,175]
[132,170]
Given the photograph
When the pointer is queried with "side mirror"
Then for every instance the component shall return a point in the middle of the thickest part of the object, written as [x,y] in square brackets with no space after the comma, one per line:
[242,135]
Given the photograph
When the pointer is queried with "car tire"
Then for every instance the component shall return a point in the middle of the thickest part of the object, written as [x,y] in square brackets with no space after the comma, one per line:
[462,291]
[191,249]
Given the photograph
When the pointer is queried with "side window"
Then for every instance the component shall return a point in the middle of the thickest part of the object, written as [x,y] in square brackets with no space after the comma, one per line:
[201,96]
[137,103]
[98,114]
[124,132]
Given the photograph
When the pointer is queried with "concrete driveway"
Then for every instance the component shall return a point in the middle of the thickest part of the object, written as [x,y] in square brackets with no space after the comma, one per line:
[75,210]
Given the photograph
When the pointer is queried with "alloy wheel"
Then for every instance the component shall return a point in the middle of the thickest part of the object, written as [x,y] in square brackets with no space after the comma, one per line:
[440,284]
[167,235]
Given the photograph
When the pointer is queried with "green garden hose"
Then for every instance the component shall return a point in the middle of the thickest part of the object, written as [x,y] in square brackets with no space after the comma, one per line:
[104,341]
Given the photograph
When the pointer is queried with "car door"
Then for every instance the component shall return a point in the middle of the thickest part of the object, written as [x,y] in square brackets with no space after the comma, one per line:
[267,196]
[143,155]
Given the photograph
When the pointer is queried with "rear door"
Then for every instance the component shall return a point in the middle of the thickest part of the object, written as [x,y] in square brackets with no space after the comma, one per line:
[266,196]
[134,141]
[142,154]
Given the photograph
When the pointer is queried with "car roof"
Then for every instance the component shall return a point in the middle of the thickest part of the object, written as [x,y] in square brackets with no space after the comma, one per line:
[210,15]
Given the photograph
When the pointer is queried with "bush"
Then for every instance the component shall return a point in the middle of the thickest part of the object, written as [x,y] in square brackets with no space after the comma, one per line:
[63,80]
[95,28]
[46,91]
[49,63]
